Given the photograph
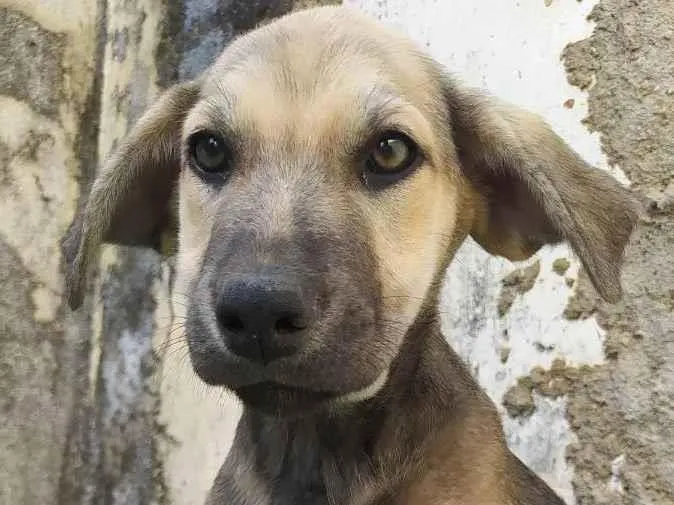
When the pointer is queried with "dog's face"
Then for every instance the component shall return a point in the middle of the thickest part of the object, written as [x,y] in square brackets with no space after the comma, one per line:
[325,172]
[330,205]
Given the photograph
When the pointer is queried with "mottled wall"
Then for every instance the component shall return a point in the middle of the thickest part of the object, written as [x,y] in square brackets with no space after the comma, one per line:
[101,407]
[48,116]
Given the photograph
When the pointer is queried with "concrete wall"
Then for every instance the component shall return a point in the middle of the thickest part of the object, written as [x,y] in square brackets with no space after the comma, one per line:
[101,406]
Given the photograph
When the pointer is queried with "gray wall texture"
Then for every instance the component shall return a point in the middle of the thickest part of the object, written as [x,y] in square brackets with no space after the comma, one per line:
[79,392]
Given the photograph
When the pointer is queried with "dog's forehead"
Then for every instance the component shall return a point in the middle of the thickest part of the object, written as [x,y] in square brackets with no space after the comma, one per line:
[333,61]
[329,35]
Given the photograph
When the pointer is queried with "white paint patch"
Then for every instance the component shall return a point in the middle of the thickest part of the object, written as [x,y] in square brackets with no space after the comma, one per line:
[535,332]
[615,482]
[544,444]
[513,49]
[123,379]
[534,328]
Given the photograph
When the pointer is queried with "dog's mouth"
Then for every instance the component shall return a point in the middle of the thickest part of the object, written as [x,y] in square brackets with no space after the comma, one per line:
[260,387]
[337,353]
[288,387]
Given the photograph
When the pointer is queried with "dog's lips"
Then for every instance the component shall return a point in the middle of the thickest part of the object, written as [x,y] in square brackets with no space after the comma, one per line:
[257,387]
[232,372]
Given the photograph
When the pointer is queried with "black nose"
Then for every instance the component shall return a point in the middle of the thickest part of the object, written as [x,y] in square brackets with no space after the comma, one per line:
[263,317]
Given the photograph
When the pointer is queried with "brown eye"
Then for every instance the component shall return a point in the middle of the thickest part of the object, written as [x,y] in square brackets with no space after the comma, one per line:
[393,156]
[393,152]
[210,153]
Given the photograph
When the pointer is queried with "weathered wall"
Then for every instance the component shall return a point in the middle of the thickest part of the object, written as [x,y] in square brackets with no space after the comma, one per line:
[47,101]
[101,406]
[623,412]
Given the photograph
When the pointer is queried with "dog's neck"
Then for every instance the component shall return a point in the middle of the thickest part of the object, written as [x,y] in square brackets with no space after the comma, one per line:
[353,453]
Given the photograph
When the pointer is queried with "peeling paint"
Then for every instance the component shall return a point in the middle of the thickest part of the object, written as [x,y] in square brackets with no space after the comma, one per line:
[615,483]
[516,283]
[544,437]
[519,401]
[560,266]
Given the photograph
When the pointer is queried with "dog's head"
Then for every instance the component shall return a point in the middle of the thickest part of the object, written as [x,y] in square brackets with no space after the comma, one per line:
[325,172]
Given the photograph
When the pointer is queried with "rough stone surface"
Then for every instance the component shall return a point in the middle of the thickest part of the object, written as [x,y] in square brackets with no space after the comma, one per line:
[623,412]
[519,401]
[560,266]
[516,283]
[125,401]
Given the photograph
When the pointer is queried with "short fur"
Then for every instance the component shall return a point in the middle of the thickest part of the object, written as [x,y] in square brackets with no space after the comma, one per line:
[376,408]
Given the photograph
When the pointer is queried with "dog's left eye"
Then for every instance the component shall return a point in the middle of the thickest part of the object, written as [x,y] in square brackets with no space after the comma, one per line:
[392,155]
[209,152]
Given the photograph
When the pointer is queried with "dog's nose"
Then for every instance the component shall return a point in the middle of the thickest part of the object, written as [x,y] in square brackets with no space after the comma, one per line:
[262,317]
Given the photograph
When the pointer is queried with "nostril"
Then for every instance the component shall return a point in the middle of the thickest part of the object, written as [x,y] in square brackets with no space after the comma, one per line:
[289,324]
[232,322]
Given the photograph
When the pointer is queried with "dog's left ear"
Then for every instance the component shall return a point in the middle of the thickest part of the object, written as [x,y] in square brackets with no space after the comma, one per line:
[533,189]
[130,202]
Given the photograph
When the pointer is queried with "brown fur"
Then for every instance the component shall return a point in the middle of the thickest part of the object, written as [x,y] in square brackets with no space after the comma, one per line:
[375,408]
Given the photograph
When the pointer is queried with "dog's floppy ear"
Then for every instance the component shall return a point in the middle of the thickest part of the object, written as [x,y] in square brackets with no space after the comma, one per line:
[535,190]
[130,202]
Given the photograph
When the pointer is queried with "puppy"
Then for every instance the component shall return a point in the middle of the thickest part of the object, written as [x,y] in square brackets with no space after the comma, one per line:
[320,176]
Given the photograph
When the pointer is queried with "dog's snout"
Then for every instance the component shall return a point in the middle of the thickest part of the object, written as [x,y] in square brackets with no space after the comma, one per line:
[263,318]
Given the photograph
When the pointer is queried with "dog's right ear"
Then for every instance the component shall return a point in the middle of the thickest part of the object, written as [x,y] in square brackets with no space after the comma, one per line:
[131,198]
[536,190]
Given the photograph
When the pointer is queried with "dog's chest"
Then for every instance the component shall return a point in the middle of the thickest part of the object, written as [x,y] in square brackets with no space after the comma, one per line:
[306,485]
[300,493]
[293,497]
[296,465]
[299,481]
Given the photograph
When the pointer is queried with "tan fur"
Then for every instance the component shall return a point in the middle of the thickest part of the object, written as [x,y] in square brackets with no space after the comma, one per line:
[299,91]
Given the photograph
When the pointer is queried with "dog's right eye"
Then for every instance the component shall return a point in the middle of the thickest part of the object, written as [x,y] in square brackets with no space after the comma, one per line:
[391,157]
[210,153]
